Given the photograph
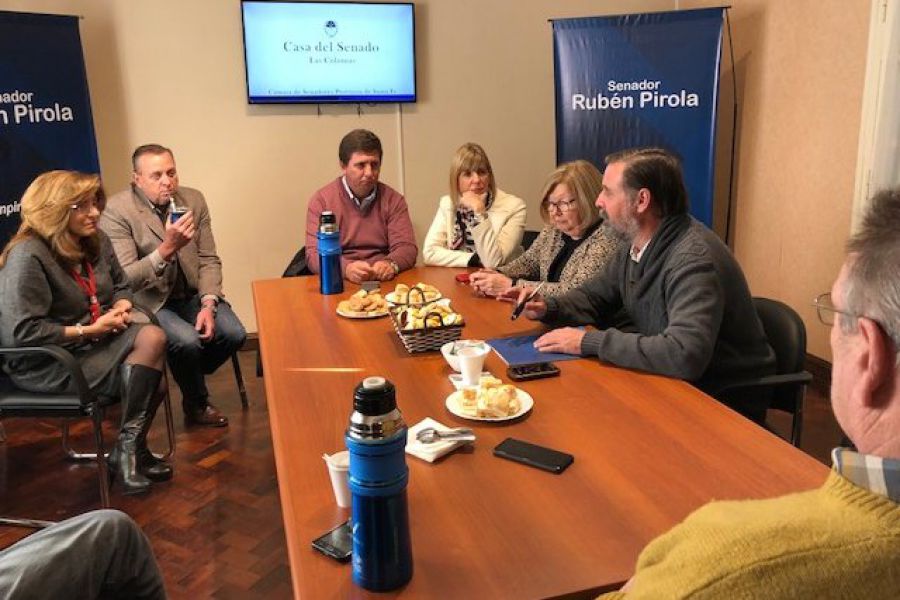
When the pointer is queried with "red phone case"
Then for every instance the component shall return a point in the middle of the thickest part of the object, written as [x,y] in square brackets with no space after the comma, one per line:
[463,278]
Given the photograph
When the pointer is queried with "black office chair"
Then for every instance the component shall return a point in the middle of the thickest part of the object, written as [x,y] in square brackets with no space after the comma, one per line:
[73,454]
[787,336]
[528,238]
[80,404]
[298,266]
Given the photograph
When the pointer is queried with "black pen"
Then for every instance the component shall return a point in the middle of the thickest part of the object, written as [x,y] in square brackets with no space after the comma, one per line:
[521,305]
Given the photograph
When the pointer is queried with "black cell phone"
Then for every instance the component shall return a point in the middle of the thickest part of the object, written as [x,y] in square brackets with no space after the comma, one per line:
[337,543]
[534,455]
[532,371]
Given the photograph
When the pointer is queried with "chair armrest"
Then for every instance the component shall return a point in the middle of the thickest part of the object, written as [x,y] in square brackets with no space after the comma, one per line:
[64,357]
[146,312]
[803,377]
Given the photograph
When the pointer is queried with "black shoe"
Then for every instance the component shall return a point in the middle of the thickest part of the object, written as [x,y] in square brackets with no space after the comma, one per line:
[154,469]
[204,416]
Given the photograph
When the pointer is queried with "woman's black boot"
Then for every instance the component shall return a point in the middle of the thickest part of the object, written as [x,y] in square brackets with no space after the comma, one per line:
[139,394]
[155,469]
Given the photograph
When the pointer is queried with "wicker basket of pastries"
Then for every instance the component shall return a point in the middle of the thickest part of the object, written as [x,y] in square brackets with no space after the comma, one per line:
[427,327]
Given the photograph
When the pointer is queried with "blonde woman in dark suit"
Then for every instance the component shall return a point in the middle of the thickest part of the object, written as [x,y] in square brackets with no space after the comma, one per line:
[60,283]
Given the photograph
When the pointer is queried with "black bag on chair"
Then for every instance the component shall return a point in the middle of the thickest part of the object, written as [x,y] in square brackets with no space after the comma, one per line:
[298,266]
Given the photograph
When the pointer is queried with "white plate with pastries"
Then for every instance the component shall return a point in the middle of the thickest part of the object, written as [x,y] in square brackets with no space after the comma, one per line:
[492,401]
[352,314]
[363,305]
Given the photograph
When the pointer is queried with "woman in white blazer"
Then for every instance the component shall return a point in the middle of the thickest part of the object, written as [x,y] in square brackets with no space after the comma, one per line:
[477,225]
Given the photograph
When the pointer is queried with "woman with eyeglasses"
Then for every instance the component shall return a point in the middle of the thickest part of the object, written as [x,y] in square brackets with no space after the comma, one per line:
[477,224]
[573,245]
[60,283]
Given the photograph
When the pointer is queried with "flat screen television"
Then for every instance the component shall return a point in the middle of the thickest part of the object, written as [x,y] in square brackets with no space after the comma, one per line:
[329,52]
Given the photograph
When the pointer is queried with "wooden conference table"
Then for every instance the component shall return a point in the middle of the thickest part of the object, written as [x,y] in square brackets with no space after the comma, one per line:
[648,450]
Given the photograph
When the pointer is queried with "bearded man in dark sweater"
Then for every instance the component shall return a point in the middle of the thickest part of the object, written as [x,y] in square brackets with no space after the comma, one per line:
[683,291]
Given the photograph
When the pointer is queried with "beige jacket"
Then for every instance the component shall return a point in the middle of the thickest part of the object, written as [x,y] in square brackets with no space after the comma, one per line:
[136,232]
[497,239]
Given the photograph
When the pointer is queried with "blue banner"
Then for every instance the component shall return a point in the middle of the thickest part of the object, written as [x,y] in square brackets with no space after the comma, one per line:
[641,80]
[45,110]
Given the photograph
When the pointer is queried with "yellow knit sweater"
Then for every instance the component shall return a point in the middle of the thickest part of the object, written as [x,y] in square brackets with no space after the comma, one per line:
[839,541]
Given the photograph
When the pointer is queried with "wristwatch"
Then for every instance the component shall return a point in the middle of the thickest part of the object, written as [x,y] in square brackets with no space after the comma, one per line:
[212,304]
[396,268]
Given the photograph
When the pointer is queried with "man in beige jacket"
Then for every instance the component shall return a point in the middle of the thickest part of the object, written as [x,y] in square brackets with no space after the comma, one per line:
[175,272]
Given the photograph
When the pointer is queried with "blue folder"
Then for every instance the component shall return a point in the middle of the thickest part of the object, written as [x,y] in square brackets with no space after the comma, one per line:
[520,350]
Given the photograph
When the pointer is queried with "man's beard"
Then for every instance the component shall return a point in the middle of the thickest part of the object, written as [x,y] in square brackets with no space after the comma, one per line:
[625,231]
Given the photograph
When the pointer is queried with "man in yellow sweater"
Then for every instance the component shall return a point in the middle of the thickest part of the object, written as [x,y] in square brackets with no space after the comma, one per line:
[843,539]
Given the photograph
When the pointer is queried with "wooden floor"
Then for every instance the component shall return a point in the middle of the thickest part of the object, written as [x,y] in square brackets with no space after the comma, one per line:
[216,527]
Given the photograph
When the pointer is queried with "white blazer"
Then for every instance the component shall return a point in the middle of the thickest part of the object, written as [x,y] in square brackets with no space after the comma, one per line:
[497,238]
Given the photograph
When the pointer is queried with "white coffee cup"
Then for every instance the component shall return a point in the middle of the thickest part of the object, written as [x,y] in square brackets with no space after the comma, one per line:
[338,468]
[471,361]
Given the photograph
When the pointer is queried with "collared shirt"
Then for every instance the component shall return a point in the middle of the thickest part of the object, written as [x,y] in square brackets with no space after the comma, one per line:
[637,254]
[161,210]
[361,203]
[878,475]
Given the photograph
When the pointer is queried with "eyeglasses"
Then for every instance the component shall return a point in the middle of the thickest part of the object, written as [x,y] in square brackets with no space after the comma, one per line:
[826,309]
[84,207]
[561,206]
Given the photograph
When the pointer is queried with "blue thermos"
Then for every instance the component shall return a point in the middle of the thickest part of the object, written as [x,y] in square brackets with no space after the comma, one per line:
[331,280]
[376,439]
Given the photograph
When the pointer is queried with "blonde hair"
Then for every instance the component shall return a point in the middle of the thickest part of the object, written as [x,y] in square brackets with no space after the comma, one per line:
[46,208]
[584,181]
[470,157]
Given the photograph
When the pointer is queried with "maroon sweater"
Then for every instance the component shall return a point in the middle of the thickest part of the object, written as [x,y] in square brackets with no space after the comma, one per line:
[383,232]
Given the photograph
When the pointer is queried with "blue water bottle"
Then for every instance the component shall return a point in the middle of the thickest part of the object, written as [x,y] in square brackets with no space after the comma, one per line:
[331,280]
[376,439]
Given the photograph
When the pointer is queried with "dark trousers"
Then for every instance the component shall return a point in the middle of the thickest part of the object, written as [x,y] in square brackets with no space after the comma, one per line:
[190,358]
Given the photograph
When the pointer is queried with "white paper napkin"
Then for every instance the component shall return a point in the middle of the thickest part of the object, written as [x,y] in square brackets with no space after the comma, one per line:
[433,451]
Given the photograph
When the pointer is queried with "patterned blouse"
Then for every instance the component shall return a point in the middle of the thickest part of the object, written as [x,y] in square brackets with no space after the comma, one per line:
[588,259]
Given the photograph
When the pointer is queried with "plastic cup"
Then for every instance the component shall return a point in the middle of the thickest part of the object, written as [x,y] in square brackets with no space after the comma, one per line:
[471,361]
[338,468]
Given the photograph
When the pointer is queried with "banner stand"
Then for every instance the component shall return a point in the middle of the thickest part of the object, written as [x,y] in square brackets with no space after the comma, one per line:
[45,109]
[641,80]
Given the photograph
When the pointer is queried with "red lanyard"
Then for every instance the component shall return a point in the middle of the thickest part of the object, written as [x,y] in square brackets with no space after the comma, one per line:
[89,285]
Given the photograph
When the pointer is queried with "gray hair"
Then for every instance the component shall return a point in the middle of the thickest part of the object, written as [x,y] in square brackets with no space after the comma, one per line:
[873,278]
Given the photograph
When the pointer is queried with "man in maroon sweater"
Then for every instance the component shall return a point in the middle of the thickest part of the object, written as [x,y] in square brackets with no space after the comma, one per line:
[377,239]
